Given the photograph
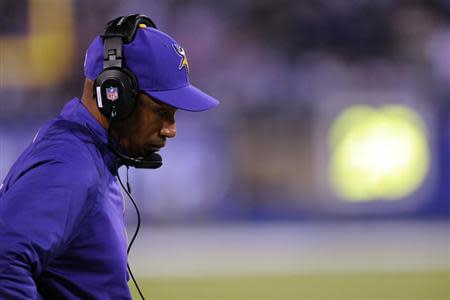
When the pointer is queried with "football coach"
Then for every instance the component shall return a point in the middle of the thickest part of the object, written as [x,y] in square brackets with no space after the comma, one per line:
[62,233]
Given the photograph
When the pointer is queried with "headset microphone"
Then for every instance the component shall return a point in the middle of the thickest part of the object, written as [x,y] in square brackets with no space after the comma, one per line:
[152,161]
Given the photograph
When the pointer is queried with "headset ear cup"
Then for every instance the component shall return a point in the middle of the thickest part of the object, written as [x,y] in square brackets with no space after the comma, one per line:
[133,79]
[115,90]
[130,92]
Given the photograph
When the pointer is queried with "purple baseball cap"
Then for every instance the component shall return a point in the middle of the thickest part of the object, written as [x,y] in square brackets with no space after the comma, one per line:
[160,66]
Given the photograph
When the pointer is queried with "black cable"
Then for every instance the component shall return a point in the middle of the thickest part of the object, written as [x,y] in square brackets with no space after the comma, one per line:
[128,192]
[135,233]
[128,181]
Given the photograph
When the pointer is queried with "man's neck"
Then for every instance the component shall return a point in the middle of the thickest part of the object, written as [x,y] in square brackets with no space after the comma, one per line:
[92,108]
[88,101]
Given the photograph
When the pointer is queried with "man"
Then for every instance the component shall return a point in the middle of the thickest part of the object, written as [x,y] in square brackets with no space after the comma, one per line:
[62,232]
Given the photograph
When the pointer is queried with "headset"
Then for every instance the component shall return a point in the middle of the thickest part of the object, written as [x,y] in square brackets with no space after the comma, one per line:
[116,87]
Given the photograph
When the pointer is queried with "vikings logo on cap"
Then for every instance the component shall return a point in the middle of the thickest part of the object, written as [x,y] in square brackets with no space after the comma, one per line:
[112,93]
[184,62]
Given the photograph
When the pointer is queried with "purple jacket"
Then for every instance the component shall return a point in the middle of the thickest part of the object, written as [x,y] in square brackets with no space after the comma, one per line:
[62,233]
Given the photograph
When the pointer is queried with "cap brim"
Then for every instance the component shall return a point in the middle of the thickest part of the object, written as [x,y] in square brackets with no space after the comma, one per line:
[187,98]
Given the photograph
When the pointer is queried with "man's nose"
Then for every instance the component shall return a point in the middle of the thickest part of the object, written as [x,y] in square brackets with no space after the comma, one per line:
[169,129]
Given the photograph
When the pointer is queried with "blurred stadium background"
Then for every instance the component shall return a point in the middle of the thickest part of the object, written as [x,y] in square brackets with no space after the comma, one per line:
[324,174]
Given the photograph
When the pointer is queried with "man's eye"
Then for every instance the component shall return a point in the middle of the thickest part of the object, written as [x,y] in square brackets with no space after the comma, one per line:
[164,113]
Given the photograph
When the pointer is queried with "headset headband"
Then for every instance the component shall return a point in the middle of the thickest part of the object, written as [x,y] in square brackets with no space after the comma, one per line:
[120,31]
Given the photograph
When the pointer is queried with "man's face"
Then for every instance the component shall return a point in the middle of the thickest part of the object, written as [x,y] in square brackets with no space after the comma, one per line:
[147,128]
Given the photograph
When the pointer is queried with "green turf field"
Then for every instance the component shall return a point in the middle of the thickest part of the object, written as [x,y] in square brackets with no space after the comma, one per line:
[358,286]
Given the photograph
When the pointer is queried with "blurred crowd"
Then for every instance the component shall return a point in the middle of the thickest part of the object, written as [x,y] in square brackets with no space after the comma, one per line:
[282,70]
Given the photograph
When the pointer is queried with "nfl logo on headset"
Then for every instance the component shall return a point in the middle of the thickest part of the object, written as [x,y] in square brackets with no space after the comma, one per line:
[112,93]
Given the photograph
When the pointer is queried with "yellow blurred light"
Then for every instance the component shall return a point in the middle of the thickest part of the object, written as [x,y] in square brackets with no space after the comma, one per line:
[44,56]
[378,154]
